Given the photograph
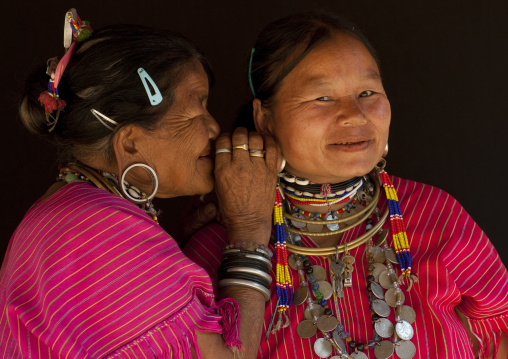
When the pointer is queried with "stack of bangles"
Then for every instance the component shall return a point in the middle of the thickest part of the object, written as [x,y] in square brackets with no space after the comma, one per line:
[246,265]
[252,153]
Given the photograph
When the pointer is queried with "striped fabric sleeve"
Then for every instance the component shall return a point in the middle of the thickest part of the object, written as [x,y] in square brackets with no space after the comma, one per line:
[89,275]
[481,278]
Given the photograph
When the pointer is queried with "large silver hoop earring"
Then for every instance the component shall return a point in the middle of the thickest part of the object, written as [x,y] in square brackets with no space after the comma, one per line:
[132,193]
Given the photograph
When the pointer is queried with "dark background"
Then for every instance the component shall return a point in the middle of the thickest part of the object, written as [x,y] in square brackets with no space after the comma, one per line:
[444,65]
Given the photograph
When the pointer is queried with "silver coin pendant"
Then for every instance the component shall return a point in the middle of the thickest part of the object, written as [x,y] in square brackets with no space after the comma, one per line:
[404,330]
[322,348]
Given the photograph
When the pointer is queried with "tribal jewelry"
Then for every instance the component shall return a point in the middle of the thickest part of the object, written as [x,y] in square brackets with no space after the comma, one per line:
[400,240]
[284,285]
[73,172]
[75,31]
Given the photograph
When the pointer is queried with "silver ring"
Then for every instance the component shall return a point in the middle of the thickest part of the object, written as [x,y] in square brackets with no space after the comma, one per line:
[223,150]
[242,147]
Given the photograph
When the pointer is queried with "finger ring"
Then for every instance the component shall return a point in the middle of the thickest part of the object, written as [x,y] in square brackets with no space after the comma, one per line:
[257,151]
[242,147]
[223,150]
[256,154]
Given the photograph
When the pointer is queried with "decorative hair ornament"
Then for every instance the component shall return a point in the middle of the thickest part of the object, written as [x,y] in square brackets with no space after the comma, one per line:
[155,97]
[103,119]
[75,31]
[250,76]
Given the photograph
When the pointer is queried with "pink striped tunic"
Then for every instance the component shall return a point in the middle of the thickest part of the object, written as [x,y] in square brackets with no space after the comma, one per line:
[455,262]
[89,275]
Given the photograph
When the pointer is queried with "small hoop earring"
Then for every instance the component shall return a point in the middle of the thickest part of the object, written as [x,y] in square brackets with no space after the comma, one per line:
[385,152]
[282,165]
[132,193]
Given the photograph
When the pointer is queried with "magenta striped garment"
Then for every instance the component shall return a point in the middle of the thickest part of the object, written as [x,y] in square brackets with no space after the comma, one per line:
[89,275]
[455,262]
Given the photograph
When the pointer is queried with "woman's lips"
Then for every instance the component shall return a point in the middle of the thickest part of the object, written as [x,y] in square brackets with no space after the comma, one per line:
[350,146]
[206,155]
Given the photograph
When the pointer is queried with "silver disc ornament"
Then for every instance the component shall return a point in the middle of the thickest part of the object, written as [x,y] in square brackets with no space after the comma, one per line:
[391,256]
[326,289]
[316,227]
[405,349]
[377,290]
[297,224]
[384,327]
[404,330]
[408,314]
[381,308]
[378,254]
[292,261]
[319,272]
[359,355]
[378,269]
[332,226]
[327,323]
[383,350]
[339,341]
[306,329]
[317,308]
[322,348]
[301,295]
[384,279]
[391,297]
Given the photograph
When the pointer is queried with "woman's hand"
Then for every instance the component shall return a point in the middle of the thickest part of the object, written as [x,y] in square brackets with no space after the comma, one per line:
[245,185]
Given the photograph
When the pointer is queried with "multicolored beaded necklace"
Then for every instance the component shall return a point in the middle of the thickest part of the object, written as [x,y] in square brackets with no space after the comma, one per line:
[107,181]
[330,326]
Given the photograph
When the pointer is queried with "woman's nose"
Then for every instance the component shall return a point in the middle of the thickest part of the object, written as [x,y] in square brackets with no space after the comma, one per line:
[213,127]
[349,112]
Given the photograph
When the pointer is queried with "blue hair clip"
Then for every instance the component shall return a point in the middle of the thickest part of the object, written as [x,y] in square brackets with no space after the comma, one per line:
[250,72]
[154,98]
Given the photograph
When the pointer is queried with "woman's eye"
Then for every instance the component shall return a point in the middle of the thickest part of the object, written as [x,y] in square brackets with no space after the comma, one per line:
[323,98]
[366,93]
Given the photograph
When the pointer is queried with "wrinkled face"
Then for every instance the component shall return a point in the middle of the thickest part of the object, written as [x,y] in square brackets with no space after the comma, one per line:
[331,114]
[180,149]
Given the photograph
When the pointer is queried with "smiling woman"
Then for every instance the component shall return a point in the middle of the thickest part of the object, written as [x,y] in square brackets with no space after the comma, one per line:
[425,283]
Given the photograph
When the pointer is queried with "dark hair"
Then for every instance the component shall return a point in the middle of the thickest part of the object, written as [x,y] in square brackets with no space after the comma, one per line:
[285,42]
[282,44]
[102,74]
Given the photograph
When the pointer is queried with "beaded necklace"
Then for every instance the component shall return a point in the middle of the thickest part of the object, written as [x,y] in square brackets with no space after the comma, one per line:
[284,286]
[333,331]
[104,180]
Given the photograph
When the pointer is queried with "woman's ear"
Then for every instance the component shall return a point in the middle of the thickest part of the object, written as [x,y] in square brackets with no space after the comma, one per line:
[261,116]
[125,146]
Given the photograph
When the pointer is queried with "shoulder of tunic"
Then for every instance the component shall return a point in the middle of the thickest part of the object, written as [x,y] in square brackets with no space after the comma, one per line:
[88,272]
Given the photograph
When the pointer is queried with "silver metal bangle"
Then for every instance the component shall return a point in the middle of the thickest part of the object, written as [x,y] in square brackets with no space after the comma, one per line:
[251,271]
[248,254]
[246,283]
